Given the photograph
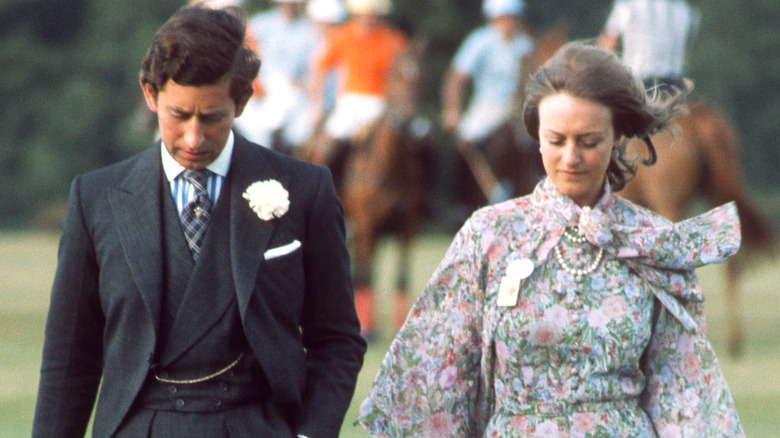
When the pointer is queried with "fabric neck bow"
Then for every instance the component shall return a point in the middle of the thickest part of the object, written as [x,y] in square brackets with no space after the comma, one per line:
[662,252]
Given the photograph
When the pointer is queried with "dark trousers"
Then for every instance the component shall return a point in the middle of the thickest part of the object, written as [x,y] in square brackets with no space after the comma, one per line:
[253,420]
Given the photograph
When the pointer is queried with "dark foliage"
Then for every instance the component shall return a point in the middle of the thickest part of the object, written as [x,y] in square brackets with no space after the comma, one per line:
[71,100]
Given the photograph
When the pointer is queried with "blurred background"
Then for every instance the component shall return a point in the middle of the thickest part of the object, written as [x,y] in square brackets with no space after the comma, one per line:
[70,95]
[70,102]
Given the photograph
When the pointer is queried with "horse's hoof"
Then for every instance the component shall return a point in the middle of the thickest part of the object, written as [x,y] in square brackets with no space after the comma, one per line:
[735,348]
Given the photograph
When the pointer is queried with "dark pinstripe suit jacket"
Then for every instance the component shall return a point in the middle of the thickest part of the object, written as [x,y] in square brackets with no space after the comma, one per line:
[296,311]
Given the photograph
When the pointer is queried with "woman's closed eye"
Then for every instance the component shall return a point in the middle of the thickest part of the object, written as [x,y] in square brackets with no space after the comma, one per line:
[591,142]
[555,140]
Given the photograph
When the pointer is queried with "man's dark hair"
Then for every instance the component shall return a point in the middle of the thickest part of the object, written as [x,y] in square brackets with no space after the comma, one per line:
[200,46]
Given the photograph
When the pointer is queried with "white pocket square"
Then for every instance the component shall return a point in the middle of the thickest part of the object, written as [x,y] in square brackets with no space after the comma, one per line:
[282,250]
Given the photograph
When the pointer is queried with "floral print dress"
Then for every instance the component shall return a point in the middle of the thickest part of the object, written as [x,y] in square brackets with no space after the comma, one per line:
[619,349]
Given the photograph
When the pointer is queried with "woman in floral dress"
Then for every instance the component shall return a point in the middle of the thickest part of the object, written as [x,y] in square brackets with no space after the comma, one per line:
[571,311]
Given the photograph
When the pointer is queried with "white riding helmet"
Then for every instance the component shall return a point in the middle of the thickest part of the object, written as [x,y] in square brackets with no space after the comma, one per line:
[326,11]
[369,7]
[497,8]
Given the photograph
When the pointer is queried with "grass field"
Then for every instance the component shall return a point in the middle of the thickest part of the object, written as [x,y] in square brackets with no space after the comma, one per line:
[27,264]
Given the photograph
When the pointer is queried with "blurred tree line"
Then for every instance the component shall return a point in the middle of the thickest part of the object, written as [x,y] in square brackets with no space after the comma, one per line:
[71,100]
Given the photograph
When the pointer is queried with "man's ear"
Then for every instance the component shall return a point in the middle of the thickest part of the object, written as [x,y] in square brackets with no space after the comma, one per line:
[241,105]
[150,95]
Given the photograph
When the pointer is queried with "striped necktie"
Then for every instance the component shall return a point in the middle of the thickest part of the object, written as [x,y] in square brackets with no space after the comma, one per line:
[196,214]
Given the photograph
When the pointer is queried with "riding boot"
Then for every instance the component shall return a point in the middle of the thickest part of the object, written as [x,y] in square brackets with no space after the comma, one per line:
[365,311]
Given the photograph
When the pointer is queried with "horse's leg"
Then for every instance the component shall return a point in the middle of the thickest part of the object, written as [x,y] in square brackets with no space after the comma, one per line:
[479,167]
[364,243]
[733,311]
[718,143]
[402,300]
[505,160]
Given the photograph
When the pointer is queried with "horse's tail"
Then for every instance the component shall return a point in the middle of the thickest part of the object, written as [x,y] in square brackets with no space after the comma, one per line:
[719,145]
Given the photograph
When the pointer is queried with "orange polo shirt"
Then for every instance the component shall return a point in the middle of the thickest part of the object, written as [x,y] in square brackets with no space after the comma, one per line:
[364,58]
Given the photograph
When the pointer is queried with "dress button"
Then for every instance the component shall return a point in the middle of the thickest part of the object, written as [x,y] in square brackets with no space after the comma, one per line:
[172,389]
[180,403]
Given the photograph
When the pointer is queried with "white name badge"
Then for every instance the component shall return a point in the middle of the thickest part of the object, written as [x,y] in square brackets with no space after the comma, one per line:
[509,288]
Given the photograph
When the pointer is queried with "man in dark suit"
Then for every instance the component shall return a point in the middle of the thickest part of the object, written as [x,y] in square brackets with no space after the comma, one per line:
[198,305]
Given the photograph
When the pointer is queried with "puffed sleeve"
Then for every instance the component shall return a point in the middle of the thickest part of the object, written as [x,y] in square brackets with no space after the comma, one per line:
[686,393]
[428,384]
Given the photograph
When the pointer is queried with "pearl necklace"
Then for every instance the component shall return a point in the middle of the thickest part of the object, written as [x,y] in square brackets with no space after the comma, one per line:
[571,269]
[576,238]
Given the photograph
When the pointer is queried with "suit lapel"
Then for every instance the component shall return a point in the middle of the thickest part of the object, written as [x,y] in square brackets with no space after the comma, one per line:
[136,208]
[249,234]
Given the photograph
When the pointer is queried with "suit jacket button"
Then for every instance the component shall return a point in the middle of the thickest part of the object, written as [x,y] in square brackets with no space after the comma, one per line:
[218,403]
[180,403]
[172,389]
[224,387]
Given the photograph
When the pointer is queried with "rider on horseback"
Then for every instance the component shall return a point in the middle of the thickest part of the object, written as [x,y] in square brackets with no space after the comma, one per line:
[286,40]
[654,37]
[327,16]
[490,57]
[363,50]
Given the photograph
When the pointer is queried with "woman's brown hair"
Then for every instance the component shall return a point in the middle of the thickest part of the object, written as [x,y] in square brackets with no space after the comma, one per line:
[598,75]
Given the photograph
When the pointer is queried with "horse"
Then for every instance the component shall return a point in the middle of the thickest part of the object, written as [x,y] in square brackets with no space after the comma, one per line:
[382,181]
[702,160]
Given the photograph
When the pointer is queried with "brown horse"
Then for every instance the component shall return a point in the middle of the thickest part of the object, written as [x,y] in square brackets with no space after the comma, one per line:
[702,160]
[382,181]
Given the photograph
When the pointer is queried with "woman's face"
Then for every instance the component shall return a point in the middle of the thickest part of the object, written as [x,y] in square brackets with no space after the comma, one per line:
[577,138]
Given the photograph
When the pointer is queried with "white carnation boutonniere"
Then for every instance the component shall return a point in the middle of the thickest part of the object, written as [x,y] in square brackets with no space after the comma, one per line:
[268,199]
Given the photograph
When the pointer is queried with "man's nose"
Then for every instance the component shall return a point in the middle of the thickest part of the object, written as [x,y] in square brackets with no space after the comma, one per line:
[193,134]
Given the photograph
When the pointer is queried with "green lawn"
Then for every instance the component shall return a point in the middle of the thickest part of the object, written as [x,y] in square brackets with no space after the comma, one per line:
[28,259]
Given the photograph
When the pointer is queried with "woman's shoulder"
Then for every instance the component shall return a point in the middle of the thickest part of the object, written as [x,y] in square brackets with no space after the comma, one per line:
[505,216]
[511,209]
